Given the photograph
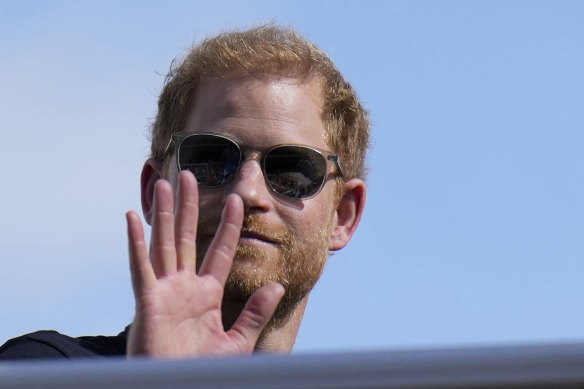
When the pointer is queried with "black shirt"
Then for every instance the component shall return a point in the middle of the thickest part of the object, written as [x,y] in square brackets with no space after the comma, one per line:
[51,344]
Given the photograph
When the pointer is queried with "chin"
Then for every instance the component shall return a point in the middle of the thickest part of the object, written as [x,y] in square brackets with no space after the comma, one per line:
[253,268]
[296,270]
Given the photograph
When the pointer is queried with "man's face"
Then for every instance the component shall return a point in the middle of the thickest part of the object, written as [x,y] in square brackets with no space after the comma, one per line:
[282,240]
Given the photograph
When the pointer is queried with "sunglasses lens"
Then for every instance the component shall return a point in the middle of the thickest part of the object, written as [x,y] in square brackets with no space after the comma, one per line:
[294,171]
[212,159]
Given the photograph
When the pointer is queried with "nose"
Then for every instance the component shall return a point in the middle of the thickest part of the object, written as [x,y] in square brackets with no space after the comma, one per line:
[250,185]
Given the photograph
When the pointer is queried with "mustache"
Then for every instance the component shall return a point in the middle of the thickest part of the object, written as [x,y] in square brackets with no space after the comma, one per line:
[253,225]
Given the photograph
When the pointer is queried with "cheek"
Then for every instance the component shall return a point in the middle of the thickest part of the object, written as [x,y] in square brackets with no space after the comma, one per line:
[211,203]
[313,222]
[172,175]
[209,198]
[172,178]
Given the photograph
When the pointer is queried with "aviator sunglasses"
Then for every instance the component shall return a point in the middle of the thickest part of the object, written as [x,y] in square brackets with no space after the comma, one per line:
[292,171]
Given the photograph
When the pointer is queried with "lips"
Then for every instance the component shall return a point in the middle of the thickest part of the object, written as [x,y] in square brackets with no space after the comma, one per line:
[254,229]
[245,234]
[254,235]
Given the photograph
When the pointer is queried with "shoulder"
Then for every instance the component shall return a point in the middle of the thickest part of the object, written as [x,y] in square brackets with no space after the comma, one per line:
[51,344]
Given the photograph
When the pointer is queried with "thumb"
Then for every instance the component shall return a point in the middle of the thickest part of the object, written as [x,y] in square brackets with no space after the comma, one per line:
[255,315]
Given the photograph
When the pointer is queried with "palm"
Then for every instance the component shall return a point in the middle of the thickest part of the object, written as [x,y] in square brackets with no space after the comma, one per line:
[179,306]
[178,312]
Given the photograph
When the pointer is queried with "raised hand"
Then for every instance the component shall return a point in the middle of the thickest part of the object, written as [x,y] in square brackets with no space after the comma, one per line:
[178,312]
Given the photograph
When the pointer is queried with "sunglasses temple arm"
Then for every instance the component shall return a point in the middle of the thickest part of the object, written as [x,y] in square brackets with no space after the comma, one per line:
[336,159]
[170,141]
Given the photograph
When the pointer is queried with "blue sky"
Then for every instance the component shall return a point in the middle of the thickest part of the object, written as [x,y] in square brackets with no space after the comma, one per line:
[474,227]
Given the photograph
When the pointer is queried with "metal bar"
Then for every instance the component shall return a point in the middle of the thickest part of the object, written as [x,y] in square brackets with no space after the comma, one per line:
[553,366]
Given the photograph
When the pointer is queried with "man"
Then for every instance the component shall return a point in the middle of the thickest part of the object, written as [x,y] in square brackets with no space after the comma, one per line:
[256,173]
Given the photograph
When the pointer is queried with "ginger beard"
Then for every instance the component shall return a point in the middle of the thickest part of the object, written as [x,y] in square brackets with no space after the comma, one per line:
[297,266]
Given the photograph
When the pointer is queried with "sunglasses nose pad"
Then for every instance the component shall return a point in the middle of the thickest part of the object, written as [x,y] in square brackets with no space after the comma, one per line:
[250,185]
[250,169]
[251,166]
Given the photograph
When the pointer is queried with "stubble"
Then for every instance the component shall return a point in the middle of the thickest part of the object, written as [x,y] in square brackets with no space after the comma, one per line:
[297,266]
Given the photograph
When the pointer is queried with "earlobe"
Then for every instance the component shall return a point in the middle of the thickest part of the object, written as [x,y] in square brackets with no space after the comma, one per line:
[150,174]
[348,213]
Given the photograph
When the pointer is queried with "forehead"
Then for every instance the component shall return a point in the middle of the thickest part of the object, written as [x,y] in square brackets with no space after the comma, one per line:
[259,111]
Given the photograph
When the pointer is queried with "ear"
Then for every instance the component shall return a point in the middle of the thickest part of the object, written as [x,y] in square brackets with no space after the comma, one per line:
[150,174]
[348,213]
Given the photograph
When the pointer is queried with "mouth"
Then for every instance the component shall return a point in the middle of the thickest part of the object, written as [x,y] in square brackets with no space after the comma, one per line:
[245,236]
[253,237]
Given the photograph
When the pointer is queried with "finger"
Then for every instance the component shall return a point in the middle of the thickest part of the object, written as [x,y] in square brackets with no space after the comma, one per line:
[140,267]
[219,257]
[162,249]
[187,217]
[257,313]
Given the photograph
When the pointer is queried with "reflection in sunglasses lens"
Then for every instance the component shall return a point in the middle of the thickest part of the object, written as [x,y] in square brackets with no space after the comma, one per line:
[295,172]
[212,160]
[292,171]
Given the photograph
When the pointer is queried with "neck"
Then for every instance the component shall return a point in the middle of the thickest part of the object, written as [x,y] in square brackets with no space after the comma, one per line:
[275,338]
[281,339]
